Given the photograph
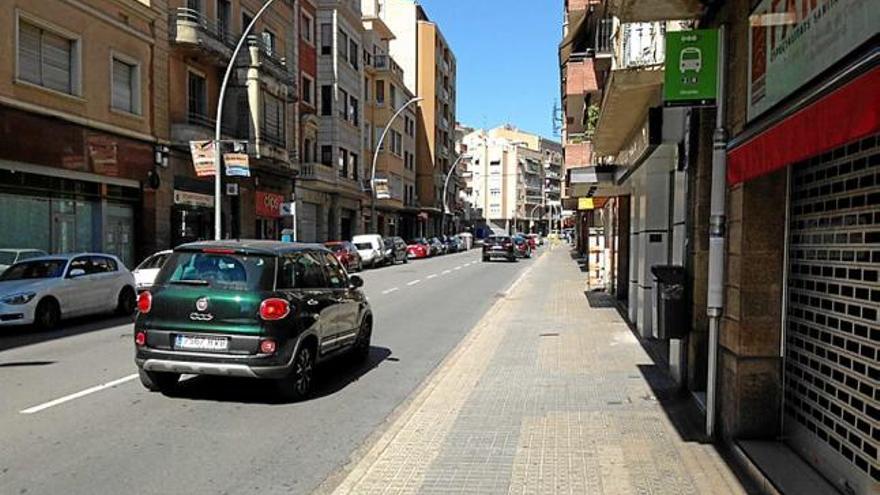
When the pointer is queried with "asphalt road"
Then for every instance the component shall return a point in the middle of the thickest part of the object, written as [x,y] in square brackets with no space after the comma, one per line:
[74,419]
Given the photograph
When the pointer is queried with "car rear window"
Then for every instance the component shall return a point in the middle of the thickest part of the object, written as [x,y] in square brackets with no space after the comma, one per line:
[497,239]
[238,272]
[363,245]
[34,269]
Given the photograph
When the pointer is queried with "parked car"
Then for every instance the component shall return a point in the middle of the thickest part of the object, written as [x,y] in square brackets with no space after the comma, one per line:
[437,247]
[395,250]
[145,273]
[347,254]
[255,309]
[499,246]
[418,248]
[533,241]
[452,243]
[9,257]
[538,239]
[371,247]
[523,249]
[43,291]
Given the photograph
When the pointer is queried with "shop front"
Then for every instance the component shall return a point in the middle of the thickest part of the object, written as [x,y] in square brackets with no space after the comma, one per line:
[268,215]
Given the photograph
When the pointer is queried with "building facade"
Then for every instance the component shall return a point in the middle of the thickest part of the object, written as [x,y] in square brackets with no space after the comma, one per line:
[769,217]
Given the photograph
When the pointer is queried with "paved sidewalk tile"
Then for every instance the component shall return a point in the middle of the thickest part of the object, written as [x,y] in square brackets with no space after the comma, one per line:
[546,395]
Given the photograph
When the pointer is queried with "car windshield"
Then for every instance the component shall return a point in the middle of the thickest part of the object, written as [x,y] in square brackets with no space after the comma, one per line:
[7,257]
[153,262]
[363,245]
[34,270]
[238,272]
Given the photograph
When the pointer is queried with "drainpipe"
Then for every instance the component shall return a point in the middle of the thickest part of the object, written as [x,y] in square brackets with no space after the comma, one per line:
[717,234]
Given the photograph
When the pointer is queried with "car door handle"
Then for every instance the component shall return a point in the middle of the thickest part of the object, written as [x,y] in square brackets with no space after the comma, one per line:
[312,302]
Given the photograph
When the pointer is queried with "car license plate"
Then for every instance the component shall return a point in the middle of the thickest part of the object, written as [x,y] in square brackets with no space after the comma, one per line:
[191,343]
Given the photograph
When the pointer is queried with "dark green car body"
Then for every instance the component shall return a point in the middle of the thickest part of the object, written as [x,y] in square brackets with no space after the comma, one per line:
[210,293]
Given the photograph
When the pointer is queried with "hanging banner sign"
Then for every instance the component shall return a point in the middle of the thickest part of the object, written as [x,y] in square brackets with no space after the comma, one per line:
[691,68]
[383,191]
[237,165]
[203,157]
[792,42]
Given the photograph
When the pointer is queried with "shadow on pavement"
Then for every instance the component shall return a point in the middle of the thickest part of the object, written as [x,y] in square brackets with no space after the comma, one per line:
[331,377]
[13,337]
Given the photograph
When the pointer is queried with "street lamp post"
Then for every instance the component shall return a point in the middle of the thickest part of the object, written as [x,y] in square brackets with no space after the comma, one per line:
[446,187]
[532,215]
[218,177]
[373,219]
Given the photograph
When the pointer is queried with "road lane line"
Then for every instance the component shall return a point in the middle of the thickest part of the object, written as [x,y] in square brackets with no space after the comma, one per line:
[414,282]
[389,291]
[446,272]
[457,268]
[433,275]
[77,395]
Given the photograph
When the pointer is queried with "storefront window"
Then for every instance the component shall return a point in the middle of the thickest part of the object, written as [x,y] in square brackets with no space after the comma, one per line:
[24,222]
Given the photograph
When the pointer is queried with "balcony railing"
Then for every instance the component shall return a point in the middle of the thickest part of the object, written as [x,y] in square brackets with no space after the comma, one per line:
[191,27]
[271,60]
[642,44]
[385,62]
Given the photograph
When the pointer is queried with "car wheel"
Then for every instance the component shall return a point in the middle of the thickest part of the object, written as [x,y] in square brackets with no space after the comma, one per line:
[298,384]
[485,259]
[512,259]
[406,259]
[126,302]
[47,314]
[361,349]
[158,381]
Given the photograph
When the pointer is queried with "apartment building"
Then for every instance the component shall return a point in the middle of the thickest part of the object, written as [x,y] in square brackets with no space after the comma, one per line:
[309,198]
[258,109]
[83,125]
[429,68]
[333,188]
[384,93]
[770,218]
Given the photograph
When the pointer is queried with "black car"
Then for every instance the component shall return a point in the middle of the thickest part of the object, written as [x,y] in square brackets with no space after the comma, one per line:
[395,250]
[256,309]
[499,246]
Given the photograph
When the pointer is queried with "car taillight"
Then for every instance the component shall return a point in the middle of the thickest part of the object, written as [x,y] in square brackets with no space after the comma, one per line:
[267,346]
[145,302]
[274,309]
[140,338]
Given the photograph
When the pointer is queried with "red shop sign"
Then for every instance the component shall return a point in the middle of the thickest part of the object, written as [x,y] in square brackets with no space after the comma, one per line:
[269,205]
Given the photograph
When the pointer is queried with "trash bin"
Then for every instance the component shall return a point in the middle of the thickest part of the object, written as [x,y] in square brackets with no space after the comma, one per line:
[672,311]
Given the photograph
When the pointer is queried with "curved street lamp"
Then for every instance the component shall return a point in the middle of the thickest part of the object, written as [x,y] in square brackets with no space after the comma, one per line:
[446,187]
[373,218]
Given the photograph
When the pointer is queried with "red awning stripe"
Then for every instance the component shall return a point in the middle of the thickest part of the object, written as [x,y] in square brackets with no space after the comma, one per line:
[847,114]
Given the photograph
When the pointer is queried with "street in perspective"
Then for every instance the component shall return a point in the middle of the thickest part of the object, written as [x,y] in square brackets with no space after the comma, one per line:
[440,246]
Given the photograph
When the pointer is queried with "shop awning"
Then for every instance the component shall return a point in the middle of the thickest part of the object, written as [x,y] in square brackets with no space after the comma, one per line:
[628,95]
[849,113]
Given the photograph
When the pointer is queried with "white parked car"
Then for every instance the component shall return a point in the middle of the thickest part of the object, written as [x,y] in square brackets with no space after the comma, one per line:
[371,248]
[42,291]
[146,272]
[9,257]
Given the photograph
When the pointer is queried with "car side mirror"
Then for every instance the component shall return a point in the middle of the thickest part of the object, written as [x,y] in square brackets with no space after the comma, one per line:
[76,272]
[356,281]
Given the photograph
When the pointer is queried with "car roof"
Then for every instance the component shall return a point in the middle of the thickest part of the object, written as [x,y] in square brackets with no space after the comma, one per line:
[253,246]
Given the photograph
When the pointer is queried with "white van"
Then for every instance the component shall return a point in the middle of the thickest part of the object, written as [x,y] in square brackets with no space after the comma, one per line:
[371,248]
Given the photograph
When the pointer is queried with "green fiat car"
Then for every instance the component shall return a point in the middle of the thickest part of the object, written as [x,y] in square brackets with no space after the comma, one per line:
[257,309]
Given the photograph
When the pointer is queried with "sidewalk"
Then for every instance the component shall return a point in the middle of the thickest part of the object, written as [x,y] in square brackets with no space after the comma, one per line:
[549,393]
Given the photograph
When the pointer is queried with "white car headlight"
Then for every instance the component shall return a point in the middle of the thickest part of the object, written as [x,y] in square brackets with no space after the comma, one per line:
[20,298]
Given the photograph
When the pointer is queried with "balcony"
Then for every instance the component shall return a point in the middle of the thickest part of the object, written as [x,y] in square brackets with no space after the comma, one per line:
[655,10]
[190,30]
[444,123]
[386,63]
[199,126]
[271,62]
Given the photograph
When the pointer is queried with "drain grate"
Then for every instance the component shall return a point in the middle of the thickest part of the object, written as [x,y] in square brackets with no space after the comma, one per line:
[549,334]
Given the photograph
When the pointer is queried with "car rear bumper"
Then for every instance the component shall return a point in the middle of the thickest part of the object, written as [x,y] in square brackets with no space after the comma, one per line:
[217,369]
[498,254]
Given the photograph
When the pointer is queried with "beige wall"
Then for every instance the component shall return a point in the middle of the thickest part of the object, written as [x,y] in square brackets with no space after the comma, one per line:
[426,128]
[103,28]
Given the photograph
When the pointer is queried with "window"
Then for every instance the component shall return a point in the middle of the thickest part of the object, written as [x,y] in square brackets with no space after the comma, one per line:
[380,92]
[354,111]
[353,53]
[102,264]
[308,90]
[273,119]
[343,108]
[353,162]
[307,151]
[327,100]
[125,86]
[336,275]
[48,59]
[246,19]
[393,91]
[301,271]
[194,5]
[224,19]
[366,91]
[269,41]
[327,155]
[326,39]
[343,163]
[342,45]
[396,143]
[197,98]
[368,131]
[307,28]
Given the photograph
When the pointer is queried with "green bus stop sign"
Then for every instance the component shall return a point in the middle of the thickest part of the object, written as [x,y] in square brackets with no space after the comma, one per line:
[691,69]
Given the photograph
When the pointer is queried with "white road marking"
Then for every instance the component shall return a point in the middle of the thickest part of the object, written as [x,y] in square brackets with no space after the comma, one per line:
[77,395]
[457,268]
[389,291]
[446,272]
[414,282]
[433,275]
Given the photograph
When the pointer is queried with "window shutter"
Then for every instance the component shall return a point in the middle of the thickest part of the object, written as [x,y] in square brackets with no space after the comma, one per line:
[56,66]
[29,53]
[123,92]
[273,124]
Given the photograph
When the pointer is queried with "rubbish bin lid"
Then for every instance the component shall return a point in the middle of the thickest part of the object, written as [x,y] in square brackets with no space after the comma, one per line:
[669,274]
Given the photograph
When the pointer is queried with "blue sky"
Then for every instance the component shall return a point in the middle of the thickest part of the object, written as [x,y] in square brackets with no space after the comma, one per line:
[508,69]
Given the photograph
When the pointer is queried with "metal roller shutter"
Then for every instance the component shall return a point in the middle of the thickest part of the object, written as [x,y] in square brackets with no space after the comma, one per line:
[308,222]
[832,341]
